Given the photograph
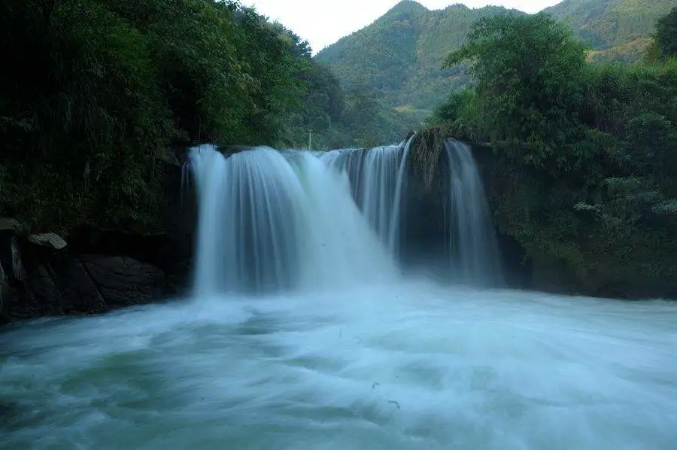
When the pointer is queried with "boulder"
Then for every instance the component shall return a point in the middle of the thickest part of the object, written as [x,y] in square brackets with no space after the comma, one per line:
[55,282]
[121,281]
[43,295]
[168,155]
[90,284]
[9,224]
[100,270]
[52,240]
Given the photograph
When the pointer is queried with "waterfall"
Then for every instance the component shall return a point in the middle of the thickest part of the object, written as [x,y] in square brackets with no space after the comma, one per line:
[377,179]
[471,238]
[273,220]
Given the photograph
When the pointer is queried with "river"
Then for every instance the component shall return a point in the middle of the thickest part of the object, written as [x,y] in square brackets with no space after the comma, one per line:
[335,345]
[412,365]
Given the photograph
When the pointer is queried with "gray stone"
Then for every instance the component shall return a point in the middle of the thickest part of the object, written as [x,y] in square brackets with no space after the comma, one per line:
[9,224]
[52,240]
[168,155]
[123,281]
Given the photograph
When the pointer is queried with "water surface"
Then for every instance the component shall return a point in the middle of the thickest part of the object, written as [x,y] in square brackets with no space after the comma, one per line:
[405,366]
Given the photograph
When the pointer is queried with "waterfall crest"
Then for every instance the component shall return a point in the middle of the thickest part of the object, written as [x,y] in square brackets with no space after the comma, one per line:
[272,220]
[278,220]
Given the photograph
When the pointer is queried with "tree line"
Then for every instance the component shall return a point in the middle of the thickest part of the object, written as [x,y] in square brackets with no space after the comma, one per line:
[588,152]
[92,90]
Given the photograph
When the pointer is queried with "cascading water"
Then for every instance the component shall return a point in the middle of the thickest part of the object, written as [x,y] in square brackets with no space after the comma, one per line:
[472,242]
[270,220]
[409,364]
[378,178]
[274,220]
[247,233]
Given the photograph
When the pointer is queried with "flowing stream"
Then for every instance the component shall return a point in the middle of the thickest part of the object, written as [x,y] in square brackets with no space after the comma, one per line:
[304,332]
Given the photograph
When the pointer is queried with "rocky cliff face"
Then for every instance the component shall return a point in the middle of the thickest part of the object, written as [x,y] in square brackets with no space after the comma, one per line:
[38,280]
[98,270]
[600,272]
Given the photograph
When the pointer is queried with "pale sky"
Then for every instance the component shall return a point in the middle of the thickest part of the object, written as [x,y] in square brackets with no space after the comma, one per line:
[323,22]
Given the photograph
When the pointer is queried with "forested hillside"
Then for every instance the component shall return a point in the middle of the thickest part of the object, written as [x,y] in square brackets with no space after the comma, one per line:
[399,57]
[586,154]
[92,91]
[614,30]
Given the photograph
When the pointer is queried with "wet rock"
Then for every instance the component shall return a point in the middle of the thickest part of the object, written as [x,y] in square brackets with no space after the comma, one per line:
[57,283]
[169,155]
[10,257]
[52,240]
[9,224]
[97,270]
[122,281]
[93,284]
[44,296]
[4,300]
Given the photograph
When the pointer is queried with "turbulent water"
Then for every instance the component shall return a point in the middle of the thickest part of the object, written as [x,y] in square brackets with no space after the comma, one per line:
[303,333]
[411,365]
[270,221]
[377,180]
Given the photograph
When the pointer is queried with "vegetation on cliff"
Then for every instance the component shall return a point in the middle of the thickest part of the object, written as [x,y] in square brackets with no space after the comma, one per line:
[587,154]
[92,90]
[398,58]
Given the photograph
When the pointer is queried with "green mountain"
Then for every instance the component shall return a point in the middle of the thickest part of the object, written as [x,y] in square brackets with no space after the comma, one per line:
[615,30]
[398,58]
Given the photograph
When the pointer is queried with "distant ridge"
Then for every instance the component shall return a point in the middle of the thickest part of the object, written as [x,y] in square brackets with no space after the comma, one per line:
[399,56]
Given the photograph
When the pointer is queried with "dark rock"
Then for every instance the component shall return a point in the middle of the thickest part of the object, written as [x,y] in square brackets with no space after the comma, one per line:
[80,293]
[122,281]
[517,268]
[101,270]
[10,257]
[43,293]
[170,250]
[553,277]
[9,224]
[4,296]
[620,291]
[52,240]
[58,283]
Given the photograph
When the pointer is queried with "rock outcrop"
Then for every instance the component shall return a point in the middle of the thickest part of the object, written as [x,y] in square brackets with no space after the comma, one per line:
[40,276]
[93,270]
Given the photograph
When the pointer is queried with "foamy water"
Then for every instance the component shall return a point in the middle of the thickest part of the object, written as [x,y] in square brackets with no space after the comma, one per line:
[405,366]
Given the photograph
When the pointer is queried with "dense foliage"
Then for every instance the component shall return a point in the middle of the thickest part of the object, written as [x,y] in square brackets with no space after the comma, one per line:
[92,90]
[615,30]
[665,40]
[397,59]
[587,153]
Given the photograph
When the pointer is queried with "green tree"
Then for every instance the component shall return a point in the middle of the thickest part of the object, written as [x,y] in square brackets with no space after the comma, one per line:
[528,71]
[108,83]
[666,35]
[586,153]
